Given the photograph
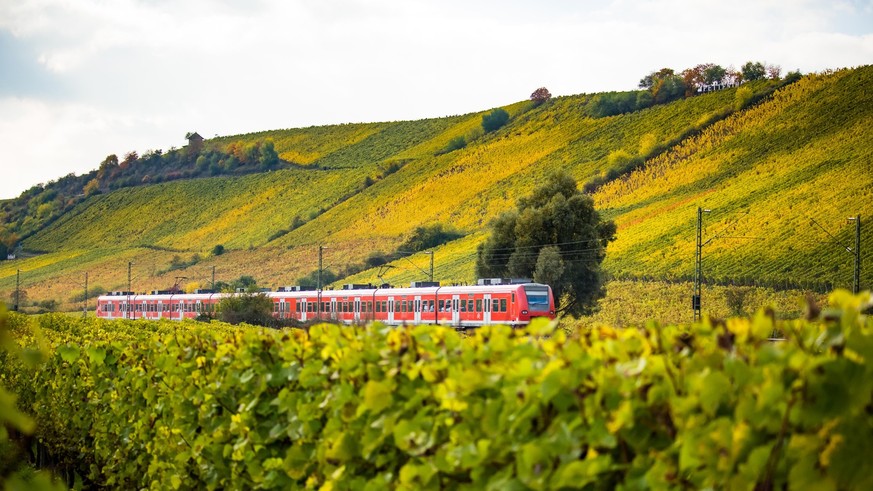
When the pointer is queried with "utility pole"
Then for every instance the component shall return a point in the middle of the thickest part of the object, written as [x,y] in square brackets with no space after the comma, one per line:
[129,306]
[431,266]
[17,289]
[698,266]
[320,253]
[85,300]
[856,252]
[213,278]
[318,290]
[856,279]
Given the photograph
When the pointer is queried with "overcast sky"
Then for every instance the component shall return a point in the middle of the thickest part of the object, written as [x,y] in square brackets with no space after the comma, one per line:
[82,79]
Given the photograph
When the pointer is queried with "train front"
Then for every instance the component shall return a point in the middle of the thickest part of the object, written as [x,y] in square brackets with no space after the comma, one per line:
[537,302]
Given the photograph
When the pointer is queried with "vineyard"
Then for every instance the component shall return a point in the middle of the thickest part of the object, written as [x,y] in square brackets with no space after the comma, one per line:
[780,177]
[162,405]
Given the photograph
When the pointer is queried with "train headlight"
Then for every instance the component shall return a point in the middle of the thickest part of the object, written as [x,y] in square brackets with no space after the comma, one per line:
[524,312]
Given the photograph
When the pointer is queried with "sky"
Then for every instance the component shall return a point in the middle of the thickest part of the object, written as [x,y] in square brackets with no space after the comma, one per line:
[82,79]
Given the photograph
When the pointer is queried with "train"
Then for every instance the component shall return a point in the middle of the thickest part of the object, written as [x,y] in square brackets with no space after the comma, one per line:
[513,302]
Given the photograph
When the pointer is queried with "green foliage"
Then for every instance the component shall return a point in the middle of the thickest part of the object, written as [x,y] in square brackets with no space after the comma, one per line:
[753,70]
[494,120]
[428,237]
[709,405]
[455,143]
[556,233]
[614,103]
[311,279]
[218,250]
[252,308]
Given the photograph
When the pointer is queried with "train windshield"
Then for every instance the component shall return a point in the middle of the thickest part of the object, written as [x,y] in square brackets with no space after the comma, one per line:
[537,297]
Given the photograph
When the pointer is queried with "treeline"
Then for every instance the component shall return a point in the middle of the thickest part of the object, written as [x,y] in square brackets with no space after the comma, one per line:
[667,85]
[40,205]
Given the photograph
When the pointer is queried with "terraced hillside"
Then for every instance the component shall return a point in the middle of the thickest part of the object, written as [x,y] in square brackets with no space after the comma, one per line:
[764,170]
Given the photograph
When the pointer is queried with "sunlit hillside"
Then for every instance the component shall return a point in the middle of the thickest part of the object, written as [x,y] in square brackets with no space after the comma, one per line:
[780,178]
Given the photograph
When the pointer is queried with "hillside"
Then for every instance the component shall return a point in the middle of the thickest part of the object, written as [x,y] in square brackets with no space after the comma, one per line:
[764,169]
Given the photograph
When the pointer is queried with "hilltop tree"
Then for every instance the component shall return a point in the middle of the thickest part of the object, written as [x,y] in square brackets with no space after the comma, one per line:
[540,95]
[753,71]
[664,85]
[554,235]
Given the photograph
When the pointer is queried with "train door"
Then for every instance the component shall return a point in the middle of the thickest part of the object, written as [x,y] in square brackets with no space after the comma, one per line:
[160,309]
[456,310]
[333,314]
[417,309]
[357,310]
[486,309]
[390,310]
[303,306]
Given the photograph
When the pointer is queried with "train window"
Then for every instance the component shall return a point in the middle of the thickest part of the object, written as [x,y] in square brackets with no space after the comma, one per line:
[463,305]
[479,305]
[391,306]
[455,305]
[470,305]
[495,306]
[378,306]
[418,305]
[430,305]
[513,298]
[503,305]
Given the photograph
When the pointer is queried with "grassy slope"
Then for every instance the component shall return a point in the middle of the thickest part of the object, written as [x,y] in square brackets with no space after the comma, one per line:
[764,173]
[803,153]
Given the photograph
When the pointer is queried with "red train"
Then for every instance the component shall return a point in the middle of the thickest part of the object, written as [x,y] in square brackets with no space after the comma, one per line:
[492,301]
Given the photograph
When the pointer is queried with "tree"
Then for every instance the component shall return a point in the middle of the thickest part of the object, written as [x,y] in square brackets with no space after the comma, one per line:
[251,308]
[714,74]
[218,250]
[753,71]
[665,85]
[427,237]
[540,95]
[554,235]
[495,120]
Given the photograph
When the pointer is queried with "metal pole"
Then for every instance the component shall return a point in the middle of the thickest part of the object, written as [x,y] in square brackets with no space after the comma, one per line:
[695,298]
[320,249]
[85,300]
[431,266]
[318,290]
[17,289]
[856,283]
[213,278]
[129,306]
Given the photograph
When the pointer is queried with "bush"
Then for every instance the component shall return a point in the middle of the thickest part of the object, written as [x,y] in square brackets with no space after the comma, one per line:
[455,143]
[251,308]
[495,120]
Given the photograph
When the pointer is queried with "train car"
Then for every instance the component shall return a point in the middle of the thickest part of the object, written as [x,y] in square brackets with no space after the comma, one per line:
[156,305]
[492,301]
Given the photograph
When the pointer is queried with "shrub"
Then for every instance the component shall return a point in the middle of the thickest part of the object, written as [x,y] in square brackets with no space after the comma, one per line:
[495,120]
